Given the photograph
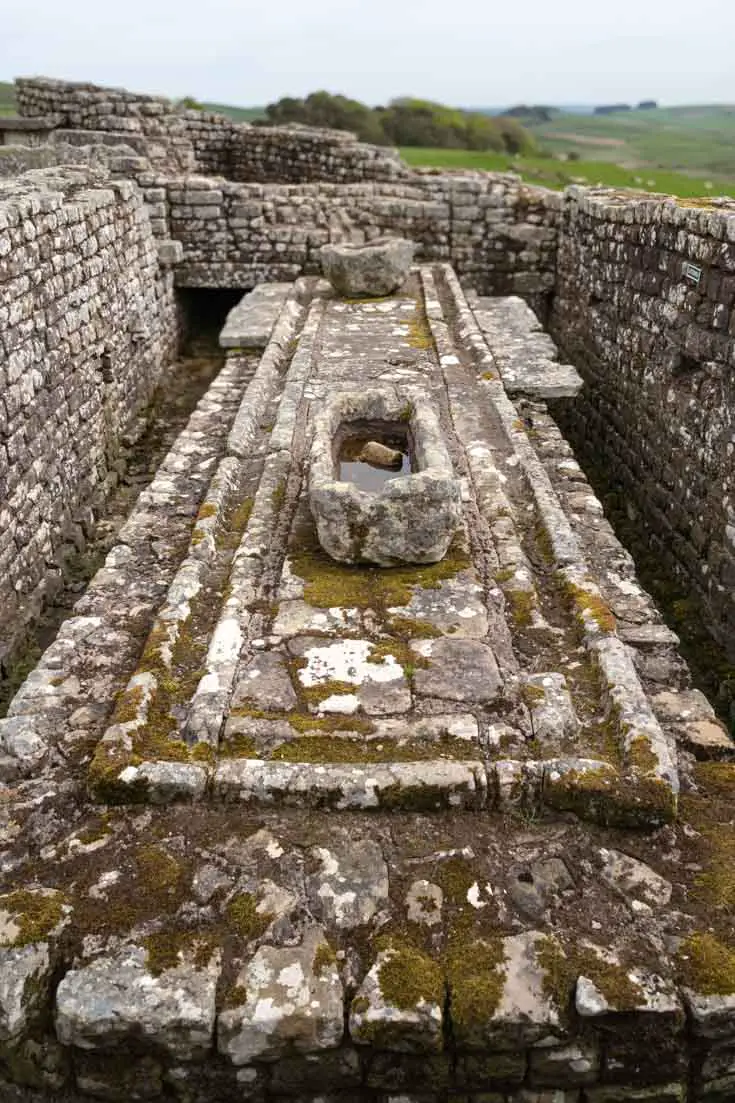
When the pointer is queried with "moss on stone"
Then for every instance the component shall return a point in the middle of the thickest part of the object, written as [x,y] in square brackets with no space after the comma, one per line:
[407,628]
[706,965]
[640,757]
[715,886]
[243,915]
[236,996]
[344,749]
[563,965]
[239,745]
[407,978]
[329,584]
[716,778]
[34,913]
[94,832]
[235,523]
[128,705]
[412,798]
[583,602]
[532,695]
[278,497]
[455,877]
[305,723]
[157,866]
[166,949]
[324,957]
[522,605]
[207,509]
[419,333]
[476,980]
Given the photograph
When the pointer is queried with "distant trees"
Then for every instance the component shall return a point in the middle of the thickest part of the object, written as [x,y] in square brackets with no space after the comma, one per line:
[404,122]
[647,105]
[531,115]
[189,103]
[611,108]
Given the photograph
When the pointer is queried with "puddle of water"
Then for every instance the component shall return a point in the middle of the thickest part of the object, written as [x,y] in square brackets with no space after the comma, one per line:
[371,477]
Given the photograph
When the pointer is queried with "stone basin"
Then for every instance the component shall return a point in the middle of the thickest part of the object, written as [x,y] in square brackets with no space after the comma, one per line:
[410,519]
[378,267]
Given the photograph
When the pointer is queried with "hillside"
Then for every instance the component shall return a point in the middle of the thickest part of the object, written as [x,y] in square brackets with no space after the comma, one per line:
[696,138]
[552,173]
[237,114]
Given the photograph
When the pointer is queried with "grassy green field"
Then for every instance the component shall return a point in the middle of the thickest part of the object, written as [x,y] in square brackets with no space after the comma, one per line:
[238,114]
[557,174]
[699,139]
[7,98]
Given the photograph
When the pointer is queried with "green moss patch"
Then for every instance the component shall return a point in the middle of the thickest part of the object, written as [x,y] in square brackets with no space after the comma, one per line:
[407,978]
[706,965]
[583,602]
[563,965]
[476,980]
[35,914]
[243,915]
[344,749]
[329,584]
[167,949]
[324,958]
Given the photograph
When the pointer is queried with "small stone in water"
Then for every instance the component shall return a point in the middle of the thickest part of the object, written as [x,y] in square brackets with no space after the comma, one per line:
[380,455]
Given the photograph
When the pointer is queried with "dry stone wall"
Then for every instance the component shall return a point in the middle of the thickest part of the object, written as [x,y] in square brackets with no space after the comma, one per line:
[87,326]
[499,235]
[112,110]
[644,305]
[177,140]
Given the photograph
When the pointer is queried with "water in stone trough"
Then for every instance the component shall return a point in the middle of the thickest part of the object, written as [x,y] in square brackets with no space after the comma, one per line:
[370,460]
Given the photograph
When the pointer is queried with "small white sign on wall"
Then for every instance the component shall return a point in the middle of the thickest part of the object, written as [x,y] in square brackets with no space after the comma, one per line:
[692,273]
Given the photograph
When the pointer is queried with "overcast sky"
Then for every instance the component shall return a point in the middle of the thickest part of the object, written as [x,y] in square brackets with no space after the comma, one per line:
[481,52]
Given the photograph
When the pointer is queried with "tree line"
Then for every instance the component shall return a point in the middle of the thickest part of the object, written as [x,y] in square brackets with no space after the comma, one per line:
[404,122]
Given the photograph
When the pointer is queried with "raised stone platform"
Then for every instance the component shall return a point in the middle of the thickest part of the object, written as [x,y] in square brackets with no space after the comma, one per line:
[278,827]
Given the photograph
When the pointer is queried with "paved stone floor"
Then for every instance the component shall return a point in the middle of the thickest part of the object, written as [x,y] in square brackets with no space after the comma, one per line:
[287,828]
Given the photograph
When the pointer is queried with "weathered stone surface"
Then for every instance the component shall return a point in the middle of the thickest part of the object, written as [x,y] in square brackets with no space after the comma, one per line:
[350,885]
[412,518]
[634,878]
[379,267]
[265,684]
[292,1002]
[713,1016]
[424,902]
[250,323]
[30,925]
[550,706]
[526,356]
[457,670]
[392,1010]
[524,1015]
[117,998]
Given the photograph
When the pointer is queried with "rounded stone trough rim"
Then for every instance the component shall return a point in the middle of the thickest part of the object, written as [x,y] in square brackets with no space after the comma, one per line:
[421,408]
[366,246]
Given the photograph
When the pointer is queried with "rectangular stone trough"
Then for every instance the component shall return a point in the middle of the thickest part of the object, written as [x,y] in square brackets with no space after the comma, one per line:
[412,518]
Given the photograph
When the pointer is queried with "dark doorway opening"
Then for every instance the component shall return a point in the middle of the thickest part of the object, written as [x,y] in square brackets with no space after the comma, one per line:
[203,312]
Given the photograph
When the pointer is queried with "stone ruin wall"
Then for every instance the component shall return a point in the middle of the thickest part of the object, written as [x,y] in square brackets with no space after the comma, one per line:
[87,325]
[655,341]
[499,235]
[656,350]
[177,140]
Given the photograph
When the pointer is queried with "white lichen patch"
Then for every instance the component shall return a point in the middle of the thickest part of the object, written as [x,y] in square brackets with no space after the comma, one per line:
[347,661]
